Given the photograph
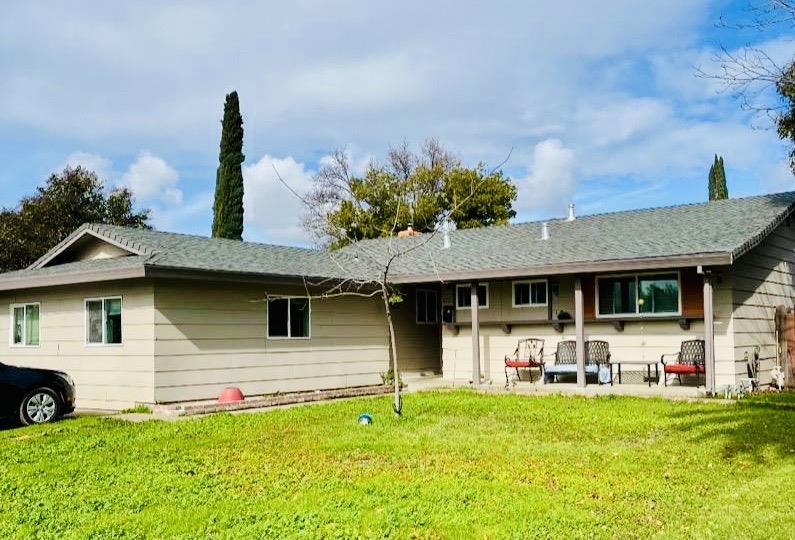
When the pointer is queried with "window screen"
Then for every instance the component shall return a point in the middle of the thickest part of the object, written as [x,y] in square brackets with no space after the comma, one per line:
[660,294]
[94,321]
[617,295]
[463,296]
[278,317]
[427,307]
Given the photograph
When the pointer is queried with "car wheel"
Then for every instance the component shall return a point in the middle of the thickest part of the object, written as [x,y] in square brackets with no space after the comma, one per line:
[39,406]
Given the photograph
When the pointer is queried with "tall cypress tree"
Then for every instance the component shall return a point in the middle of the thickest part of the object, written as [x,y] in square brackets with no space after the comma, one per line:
[717,180]
[711,180]
[721,189]
[228,206]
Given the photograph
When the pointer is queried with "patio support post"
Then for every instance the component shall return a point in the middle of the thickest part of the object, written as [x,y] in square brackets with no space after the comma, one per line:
[579,325]
[709,335]
[473,296]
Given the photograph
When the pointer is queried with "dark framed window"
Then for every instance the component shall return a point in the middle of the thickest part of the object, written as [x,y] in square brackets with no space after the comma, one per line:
[463,296]
[289,318]
[427,306]
[530,293]
[653,294]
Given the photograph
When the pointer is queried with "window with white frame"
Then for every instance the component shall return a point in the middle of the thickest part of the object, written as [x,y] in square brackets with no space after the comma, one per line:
[530,293]
[103,321]
[288,318]
[25,325]
[640,294]
[427,306]
[463,296]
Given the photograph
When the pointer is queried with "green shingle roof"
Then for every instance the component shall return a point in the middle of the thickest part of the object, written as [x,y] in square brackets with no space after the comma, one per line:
[728,227]
[98,265]
[723,229]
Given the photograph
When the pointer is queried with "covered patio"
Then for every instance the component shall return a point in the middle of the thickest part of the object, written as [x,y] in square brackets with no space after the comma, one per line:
[613,329]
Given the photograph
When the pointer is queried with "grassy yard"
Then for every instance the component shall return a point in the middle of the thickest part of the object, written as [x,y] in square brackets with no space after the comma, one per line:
[457,465]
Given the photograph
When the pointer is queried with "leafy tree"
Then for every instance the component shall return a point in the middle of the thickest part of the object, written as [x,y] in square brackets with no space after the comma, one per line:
[67,200]
[717,180]
[408,189]
[785,119]
[228,207]
[490,204]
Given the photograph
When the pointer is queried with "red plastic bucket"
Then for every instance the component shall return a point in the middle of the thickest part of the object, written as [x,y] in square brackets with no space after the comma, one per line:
[230,395]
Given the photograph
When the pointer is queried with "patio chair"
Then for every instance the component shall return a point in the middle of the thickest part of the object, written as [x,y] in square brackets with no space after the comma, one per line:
[529,354]
[690,360]
[597,351]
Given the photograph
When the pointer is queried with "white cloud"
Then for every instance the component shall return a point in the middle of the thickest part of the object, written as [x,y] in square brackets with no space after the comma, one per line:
[93,162]
[777,177]
[550,184]
[614,80]
[332,74]
[186,217]
[152,179]
[619,120]
[272,212]
[386,81]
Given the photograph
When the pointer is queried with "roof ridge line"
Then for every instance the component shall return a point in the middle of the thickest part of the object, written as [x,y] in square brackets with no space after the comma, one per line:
[647,209]
[202,237]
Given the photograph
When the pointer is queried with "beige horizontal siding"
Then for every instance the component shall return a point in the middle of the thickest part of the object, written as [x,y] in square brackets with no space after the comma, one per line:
[762,280]
[106,376]
[418,345]
[501,302]
[212,335]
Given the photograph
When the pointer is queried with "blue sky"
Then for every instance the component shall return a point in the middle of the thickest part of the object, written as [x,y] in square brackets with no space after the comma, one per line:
[600,104]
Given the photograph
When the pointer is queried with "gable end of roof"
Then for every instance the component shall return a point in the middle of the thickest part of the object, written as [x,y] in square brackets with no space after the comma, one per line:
[88,229]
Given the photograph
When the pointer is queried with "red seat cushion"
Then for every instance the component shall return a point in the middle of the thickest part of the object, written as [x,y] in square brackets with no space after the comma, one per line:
[684,369]
[521,363]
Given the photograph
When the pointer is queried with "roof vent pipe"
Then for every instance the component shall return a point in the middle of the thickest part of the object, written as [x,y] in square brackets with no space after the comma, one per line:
[544,231]
[571,216]
[446,232]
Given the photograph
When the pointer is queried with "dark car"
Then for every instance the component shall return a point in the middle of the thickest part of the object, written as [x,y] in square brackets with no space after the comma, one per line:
[35,396]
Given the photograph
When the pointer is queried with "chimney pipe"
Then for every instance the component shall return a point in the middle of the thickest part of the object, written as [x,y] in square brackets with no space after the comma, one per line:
[446,232]
[571,216]
[544,231]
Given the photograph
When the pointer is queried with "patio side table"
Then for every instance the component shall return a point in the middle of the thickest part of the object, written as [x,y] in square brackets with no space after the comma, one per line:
[647,363]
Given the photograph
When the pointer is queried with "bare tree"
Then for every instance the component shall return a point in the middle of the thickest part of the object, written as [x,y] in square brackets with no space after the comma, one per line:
[751,72]
[365,267]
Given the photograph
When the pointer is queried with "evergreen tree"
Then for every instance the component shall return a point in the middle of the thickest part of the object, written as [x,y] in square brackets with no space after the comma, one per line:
[717,180]
[722,188]
[228,206]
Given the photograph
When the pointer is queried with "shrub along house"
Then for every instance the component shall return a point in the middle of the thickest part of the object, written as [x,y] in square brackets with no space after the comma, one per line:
[138,316]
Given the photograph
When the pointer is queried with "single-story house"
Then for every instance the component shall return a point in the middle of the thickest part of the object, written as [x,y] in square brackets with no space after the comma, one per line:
[140,316]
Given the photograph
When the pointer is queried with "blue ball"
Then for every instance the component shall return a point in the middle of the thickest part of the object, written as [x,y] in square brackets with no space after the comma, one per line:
[365,419]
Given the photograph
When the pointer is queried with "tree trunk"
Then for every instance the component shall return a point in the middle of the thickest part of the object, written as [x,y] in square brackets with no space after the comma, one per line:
[397,406]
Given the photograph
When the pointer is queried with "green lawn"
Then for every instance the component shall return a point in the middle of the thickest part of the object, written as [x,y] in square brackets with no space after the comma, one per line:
[456,465]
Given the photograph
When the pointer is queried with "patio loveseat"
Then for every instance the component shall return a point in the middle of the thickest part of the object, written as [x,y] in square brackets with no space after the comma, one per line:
[597,353]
